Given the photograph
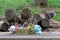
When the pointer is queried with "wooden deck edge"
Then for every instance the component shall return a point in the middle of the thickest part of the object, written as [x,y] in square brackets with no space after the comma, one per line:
[43,36]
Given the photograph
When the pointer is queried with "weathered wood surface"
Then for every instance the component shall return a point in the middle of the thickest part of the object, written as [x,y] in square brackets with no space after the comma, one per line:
[54,23]
[53,30]
[43,36]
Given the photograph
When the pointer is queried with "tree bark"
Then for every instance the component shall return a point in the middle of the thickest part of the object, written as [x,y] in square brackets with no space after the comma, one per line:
[42,3]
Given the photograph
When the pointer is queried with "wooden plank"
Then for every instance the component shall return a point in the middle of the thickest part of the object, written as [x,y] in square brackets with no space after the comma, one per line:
[43,36]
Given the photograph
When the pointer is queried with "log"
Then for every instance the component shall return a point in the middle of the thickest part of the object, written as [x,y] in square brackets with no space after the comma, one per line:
[39,17]
[53,30]
[54,23]
[45,24]
[3,19]
[4,27]
[3,24]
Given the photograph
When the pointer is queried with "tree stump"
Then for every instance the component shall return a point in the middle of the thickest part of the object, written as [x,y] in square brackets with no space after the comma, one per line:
[42,3]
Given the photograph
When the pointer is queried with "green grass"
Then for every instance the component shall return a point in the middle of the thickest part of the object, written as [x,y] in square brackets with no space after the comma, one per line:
[18,5]
[57,17]
[15,5]
[54,3]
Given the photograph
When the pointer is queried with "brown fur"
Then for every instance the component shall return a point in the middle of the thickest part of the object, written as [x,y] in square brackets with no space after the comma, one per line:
[25,15]
[11,16]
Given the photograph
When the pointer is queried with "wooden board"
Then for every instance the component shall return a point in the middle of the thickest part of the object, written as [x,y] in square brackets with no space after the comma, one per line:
[43,36]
